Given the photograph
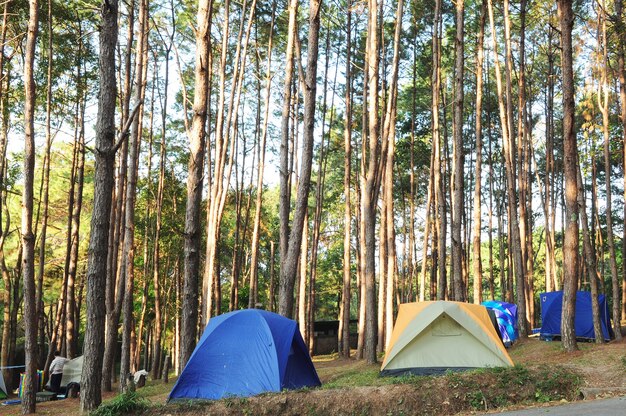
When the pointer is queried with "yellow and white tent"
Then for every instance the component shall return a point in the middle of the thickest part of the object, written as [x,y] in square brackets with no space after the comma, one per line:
[438,336]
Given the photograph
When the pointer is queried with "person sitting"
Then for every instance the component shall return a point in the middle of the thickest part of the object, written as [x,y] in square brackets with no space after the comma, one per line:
[56,371]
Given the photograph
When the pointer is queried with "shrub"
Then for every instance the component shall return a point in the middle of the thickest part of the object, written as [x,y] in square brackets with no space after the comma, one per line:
[124,404]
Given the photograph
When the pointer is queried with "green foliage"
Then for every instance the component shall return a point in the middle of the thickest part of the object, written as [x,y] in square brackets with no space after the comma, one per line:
[476,399]
[124,404]
[556,384]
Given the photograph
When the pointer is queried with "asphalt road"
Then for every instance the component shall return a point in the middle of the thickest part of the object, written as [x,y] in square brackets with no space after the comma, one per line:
[603,407]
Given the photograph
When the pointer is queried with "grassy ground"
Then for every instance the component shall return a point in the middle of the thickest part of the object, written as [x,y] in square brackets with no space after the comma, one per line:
[543,374]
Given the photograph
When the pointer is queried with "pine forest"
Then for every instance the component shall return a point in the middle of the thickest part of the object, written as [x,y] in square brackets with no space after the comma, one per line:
[163,162]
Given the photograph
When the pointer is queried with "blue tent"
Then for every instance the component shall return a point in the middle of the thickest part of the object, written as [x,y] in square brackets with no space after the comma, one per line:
[506,315]
[552,304]
[243,353]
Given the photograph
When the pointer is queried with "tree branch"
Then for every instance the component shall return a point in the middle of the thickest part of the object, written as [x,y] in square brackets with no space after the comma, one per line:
[124,131]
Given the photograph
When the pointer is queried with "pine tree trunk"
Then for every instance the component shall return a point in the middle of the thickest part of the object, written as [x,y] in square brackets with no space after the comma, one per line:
[254,243]
[6,279]
[603,104]
[550,279]
[72,325]
[156,254]
[69,309]
[390,136]
[621,67]
[412,255]
[272,294]
[430,208]
[45,182]
[197,145]
[360,189]
[382,270]
[136,353]
[115,272]
[215,171]
[370,193]
[302,281]
[525,189]
[319,195]
[290,262]
[28,238]
[7,323]
[285,298]
[459,157]
[344,313]
[446,185]
[437,169]
[510,185]
[590,259]
[477,261]
[570,163]
[128,254]
[91,379]
[236,264]
[492,279]
[223,163]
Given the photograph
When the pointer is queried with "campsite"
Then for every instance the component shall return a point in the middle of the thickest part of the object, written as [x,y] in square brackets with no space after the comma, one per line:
[444,358]
[311,206]
[354,387]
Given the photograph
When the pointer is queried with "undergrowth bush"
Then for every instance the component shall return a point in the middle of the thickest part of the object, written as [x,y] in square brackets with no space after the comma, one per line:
[556,384]
[124,404]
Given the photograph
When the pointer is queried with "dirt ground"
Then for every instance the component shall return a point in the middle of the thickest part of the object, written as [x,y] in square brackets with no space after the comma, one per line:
[600,372]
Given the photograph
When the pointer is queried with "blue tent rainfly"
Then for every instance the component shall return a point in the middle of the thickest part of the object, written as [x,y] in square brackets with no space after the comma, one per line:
[551,308]
[243,353]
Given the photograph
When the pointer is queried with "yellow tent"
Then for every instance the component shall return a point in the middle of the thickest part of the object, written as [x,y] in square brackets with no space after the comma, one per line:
[438,336]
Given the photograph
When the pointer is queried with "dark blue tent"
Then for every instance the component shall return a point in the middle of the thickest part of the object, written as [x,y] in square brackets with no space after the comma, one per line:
[552,304]
[243,353]
[506,315]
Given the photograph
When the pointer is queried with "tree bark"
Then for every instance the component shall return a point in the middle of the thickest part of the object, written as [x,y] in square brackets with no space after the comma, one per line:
[570,245]
[590,260]
[6,278]
[45,186]
[370,193]
[319,192]
[7,322]
[510,187]
[197,145]
[254,244]
[492,278]
[290,262]
[72,326]
[437,169]
[603,105]
[156,254]
[344,313]
[477,261]
[128,253]
[458,156]
[285,298]
[390,137]
[549,198]
[115,272]
[28,238]
[91,379]
[301,281]
[525,182]
[621,67]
